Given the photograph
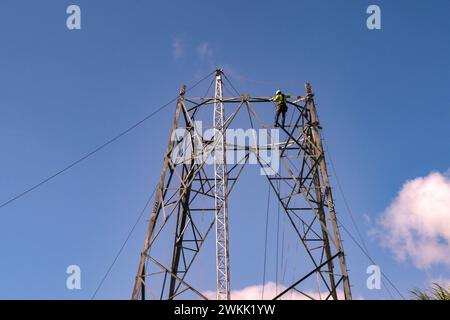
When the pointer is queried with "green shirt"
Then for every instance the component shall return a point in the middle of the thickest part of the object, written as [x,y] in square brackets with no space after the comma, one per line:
[281,98]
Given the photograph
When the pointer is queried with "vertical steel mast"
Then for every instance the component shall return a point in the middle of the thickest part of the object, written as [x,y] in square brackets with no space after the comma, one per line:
[220,194]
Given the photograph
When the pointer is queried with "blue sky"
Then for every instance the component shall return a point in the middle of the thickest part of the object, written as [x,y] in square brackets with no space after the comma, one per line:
[382,99]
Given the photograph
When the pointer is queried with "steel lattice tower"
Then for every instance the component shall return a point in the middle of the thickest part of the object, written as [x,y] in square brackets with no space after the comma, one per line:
[220,194]
[202,182]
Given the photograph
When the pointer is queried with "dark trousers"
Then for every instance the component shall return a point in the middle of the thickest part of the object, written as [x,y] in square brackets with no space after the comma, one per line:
[280,110]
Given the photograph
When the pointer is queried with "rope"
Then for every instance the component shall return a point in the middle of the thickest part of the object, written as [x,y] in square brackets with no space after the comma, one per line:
[283,244]
[102,146]
[141,214]
[341,191]
[209,88]
[371,260]
[123,245]
[265,242]
[361,246]
[278,239]
[228,80]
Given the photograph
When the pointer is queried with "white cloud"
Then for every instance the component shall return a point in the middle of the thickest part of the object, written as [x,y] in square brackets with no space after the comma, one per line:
[270,291]
[367,218]
[177,48]
[204,51]
[416,225]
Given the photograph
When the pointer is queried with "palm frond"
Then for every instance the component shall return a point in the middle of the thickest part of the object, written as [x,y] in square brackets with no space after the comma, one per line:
[436,292]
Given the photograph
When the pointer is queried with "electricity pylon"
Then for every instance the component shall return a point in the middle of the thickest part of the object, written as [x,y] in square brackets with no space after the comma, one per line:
[197,179]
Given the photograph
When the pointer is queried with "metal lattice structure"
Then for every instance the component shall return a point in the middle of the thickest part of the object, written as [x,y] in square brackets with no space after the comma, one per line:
[220,194]
[192,198]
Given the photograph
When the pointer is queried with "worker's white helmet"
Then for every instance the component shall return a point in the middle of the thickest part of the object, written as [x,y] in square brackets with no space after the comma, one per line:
[278,92]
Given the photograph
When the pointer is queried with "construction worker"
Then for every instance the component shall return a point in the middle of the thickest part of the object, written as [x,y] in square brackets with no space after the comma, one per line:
[281,107]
